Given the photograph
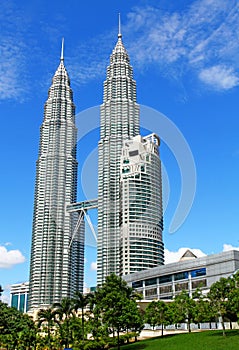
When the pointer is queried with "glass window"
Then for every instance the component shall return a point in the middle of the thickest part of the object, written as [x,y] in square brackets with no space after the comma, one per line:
[165,289]
[137,284]
[199,283]
[181,286]
[133,153]
[22,302]
[180,276]
[14,302]
[150,292]
[164,279]
[150,281]
[198,272]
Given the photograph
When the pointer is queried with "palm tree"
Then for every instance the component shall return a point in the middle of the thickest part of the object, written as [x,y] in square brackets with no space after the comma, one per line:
[80,302]
[64,310]
[47,317]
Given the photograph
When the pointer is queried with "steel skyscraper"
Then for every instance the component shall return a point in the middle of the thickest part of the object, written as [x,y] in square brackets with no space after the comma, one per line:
[141,210]
[119,120]
[57,254]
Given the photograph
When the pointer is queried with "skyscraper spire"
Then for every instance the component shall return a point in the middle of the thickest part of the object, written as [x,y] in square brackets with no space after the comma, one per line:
[119,116]
[119,33]
[62,49]
[56,264]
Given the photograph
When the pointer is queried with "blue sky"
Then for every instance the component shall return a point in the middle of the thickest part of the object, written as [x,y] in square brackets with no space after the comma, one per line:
[185,57]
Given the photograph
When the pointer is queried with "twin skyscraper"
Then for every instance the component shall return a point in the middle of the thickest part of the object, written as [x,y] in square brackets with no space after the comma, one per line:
[130,217]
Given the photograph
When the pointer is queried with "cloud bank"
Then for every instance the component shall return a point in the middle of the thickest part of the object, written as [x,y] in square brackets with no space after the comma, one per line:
[171,257]
[200,41]
[9,258]
[197,45]
[228,247]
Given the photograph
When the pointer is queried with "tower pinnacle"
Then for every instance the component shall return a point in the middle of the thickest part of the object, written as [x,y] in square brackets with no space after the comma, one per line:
[119,33]
[62,50]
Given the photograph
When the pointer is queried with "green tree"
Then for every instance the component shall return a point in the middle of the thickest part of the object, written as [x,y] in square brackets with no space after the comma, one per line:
[97,328]
[134,321]
[203,308]
[17,330]
[28,333]
[156,314]
[113,301]
[184,309]
[218,296]
[233,298]
[64,311]
[80,302]
[46,319]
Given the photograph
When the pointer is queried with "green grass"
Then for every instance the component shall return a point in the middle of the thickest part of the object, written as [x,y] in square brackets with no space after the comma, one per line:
[207,340]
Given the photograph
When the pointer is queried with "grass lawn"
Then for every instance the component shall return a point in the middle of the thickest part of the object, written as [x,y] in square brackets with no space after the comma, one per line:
[207,340]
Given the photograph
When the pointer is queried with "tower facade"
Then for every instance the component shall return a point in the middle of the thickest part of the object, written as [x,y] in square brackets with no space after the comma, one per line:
[119,120]
[57,252]
[141,212]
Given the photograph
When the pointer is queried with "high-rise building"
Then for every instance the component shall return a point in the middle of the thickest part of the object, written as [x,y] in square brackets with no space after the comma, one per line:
[141,214]
[119,120]
[57,252]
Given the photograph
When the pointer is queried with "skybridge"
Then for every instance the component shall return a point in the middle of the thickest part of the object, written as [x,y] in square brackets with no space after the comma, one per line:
[81,208]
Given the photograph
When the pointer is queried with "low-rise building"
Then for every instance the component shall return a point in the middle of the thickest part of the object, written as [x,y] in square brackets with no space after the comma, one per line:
[165,282]
[19,296]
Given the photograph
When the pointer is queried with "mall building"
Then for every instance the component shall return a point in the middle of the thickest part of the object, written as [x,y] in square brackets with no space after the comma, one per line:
[166,281]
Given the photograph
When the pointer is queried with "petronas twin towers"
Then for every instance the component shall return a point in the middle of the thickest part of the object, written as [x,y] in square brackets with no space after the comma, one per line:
[57,253]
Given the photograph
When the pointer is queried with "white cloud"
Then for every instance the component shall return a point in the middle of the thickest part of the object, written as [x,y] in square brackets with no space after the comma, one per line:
[178,42]
[171,257]
[219,77]
[5,298]
[227,247]
[10,258]
[12,85]
[93,266]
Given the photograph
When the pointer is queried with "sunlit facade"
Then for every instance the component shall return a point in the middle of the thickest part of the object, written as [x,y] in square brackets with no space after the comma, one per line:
[141,212]
[119,120]
[57,260]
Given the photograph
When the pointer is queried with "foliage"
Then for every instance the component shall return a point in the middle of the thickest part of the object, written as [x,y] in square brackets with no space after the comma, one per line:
[114,318]
[80,302]
[64,311]
[16,329]
[218,297]
[46,322]
[184,307]
[115,308]
[233,296]
[157,313]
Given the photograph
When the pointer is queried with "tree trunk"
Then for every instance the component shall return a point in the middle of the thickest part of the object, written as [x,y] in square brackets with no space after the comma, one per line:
[83,325]
[118,338]
[162,329]
[49,338]
[223,327]
[189,328]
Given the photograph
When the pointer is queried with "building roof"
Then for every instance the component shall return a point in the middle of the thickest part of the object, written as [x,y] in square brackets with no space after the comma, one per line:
[188,255]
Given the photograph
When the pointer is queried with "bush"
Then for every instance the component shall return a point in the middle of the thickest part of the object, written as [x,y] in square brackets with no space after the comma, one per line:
[94,345]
